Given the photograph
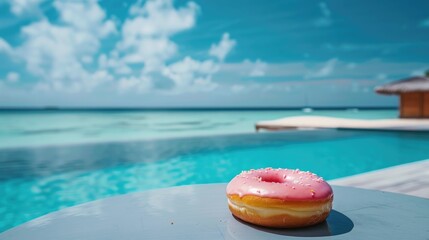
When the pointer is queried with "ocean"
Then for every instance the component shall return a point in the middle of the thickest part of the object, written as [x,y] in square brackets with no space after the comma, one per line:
[32,128]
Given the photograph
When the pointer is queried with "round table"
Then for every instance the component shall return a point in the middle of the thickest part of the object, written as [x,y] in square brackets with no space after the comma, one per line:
[201,212]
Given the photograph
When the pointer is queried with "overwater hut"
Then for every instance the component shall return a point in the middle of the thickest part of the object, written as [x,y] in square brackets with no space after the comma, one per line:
[413,93]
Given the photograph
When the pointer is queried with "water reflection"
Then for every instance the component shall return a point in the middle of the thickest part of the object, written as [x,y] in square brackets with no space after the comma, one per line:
[46,161]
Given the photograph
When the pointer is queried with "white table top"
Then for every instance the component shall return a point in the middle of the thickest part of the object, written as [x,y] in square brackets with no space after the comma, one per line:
[201,212]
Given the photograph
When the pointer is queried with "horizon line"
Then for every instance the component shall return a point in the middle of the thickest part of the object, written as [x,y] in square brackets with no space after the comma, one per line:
[215,108]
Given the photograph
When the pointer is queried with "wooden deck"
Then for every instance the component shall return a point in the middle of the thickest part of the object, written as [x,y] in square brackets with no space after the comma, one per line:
[411,179]
[305,122]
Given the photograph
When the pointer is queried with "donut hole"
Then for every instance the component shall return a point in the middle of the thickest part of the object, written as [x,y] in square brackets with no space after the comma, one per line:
[272,179]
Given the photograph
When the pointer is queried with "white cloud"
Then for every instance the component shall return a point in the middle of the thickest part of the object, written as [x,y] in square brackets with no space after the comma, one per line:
[146,41]
[425,23]
[381,76]
[257,87]
[223,48]
[325,20]
[325,10]
[304,71]
[57,53]
[142,84]
[160,17]
[153,52]
[12,77]
[54,51]
[5,47]
[236,88]
[21,7]
[88,83]
[97,78]
[325,70]
[146,36]
[192,75]
[64,53]
[351,65]
[113,62]
[258,69]
[246,68]
[419,72]
[88,17]
[87,59]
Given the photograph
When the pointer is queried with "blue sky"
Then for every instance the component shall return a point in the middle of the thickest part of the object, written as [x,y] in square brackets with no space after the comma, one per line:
[208,53]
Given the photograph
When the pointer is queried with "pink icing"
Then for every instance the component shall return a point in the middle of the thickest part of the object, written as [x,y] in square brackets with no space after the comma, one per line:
[286,184]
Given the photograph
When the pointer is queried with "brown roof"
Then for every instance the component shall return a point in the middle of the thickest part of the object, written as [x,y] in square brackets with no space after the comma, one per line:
[413,84]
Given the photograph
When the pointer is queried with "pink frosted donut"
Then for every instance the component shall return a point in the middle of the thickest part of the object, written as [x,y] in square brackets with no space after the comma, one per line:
[279,197]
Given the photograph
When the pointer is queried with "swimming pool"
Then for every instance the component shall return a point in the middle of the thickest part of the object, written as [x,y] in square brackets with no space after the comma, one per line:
[38,180]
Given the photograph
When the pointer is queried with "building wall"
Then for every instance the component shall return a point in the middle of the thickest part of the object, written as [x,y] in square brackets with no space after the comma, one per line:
[415,105]
[426,105]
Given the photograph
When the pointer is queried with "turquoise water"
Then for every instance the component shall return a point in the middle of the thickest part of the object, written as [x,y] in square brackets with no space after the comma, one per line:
[38,180]
[38,128]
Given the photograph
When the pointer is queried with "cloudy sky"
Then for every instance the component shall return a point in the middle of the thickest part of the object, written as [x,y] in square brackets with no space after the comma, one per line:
[208,53]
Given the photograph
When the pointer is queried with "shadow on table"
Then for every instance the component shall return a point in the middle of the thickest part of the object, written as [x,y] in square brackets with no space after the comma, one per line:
[336,224]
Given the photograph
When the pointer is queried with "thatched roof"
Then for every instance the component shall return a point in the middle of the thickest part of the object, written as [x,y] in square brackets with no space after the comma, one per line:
[413,84]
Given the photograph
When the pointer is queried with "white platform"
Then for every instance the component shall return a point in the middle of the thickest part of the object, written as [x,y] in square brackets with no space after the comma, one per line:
[305,122]
[411,179]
